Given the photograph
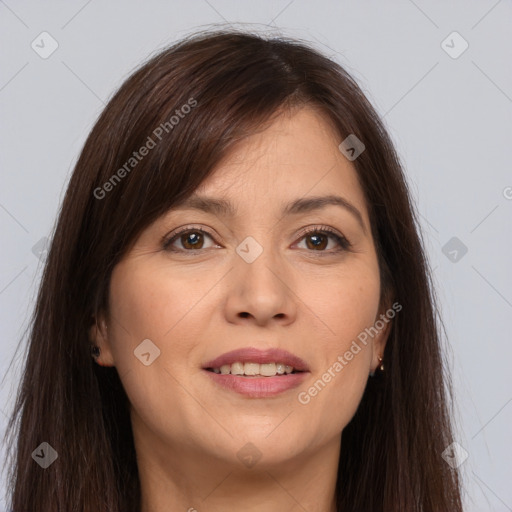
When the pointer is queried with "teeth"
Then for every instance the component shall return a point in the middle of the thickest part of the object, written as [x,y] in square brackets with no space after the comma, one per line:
[252,369]
[268,369]
[237,369]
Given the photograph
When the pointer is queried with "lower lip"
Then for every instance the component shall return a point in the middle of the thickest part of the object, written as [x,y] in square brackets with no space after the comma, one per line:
[258,387]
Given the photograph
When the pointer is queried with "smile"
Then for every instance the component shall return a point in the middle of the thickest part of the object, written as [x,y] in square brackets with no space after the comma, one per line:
[254,369]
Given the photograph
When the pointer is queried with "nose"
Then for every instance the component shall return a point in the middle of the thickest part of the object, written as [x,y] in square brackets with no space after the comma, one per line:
[261,291]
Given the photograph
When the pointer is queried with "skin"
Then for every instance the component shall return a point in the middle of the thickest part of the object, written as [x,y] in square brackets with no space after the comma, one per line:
[311,302]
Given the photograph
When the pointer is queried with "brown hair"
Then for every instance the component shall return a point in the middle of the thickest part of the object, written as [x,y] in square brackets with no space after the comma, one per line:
[391,451]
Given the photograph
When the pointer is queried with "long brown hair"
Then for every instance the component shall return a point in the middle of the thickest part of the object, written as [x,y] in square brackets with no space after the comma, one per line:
[233,83]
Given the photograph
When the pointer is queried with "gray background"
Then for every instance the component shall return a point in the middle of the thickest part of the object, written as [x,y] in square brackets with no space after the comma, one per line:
[449,117]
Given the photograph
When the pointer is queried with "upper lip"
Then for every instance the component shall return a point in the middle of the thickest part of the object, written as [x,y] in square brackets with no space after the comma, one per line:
[255,355]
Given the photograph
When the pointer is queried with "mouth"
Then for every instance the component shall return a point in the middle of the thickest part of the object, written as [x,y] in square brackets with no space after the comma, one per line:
[257,373]
[255,370]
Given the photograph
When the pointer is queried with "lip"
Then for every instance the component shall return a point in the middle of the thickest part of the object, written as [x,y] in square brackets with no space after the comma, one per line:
[255,355]
[258,387]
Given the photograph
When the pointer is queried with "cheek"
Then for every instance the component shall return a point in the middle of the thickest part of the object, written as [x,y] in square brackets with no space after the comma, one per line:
[150,301]
[356,309]
[345,304]
[143,307]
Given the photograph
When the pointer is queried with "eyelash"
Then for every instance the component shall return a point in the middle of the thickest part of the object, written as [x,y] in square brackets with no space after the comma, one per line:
[321,230]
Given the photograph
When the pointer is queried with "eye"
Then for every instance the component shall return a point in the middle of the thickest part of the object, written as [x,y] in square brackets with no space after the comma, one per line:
[189,238]
[317,239]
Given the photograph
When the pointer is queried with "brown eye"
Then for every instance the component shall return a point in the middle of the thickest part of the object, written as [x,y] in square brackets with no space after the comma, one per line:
[192,240]
[189,239]
[318,240]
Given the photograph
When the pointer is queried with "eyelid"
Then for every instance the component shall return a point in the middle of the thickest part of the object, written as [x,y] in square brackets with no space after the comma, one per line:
[343,243]
[168,238]
[342,240]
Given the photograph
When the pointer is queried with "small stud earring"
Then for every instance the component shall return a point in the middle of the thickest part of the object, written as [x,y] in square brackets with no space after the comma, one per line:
[95,351]
[381,367]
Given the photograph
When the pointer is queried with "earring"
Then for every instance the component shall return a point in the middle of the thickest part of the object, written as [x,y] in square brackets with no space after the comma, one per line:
[95,351]
[381,367]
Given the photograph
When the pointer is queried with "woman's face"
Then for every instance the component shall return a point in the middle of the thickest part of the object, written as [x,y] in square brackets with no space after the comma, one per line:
[253,280]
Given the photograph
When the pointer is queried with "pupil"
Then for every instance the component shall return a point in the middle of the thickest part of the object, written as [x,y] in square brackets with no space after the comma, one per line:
[317,241]
[192,239]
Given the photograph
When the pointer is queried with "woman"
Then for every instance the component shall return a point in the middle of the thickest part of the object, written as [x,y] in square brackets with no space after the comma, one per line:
[238,252]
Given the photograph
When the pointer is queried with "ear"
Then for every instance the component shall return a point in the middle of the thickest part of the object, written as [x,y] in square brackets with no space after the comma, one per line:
[383,323]
[98,336]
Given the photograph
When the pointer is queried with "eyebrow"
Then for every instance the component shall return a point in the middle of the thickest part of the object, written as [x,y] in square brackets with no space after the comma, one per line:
[224,208]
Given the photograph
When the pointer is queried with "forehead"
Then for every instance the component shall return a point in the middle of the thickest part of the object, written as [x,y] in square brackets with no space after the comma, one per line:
[292,161]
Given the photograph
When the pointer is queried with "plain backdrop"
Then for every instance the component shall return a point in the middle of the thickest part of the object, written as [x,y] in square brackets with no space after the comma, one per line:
[446,100]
